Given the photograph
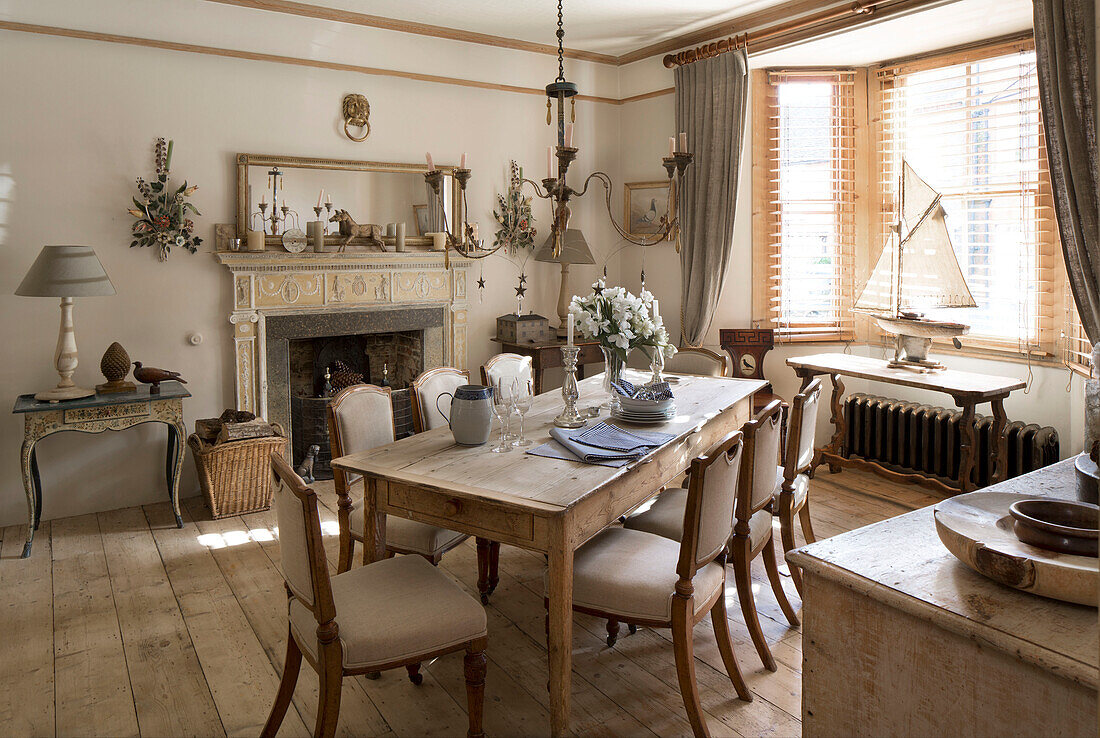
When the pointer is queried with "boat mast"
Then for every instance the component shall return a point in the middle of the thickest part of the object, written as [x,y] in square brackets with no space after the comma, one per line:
[901,202]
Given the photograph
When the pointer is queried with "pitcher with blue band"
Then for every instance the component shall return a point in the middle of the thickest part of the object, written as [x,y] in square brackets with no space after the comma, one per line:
[471,412]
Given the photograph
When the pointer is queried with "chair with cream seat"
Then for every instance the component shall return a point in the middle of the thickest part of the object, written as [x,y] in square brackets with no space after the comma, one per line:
[752,513]
[424,391]
[503,368]
[637,577]
[392,613]
[361,418]
[792,479]
[699,361]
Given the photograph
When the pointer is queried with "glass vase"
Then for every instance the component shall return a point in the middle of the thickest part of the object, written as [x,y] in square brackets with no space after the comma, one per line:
[614,361]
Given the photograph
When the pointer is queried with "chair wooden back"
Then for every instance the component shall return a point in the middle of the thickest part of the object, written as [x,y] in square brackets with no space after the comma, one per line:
[803,429]
[503,368]
[360,418]
[701,361]
[708,515]
[426,389]
[304,565]
[759,460]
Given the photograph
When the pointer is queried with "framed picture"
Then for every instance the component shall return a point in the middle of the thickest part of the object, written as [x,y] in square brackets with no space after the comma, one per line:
[420,215]
[645,203]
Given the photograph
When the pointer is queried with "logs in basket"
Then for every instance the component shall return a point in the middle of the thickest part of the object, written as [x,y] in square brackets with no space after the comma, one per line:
[236,477]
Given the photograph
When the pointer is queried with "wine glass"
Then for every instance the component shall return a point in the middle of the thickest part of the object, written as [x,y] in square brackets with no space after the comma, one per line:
[522,399]
[502,408]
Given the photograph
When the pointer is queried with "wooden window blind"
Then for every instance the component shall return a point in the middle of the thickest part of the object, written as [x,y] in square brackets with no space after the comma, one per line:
[805,190]
[1076,349]
[969,124]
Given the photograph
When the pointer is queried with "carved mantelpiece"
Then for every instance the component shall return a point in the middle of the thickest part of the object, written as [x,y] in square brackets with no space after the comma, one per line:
[271,283]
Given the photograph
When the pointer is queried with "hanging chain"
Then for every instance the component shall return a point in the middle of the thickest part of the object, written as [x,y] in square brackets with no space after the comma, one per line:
[561,46]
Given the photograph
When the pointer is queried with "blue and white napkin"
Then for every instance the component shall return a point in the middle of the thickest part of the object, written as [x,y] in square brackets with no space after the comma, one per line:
[601,444]
[655,392]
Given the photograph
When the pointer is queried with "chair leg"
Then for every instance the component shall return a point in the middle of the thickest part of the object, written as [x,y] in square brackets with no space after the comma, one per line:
[328,703]
[291,667]
[474,667]
[807,526]
[777,582]
[414,673]
[721,624]
[685,664]
[347,551]
[743,579]
[786,529]
[494,565]
[612,632]
[483,559]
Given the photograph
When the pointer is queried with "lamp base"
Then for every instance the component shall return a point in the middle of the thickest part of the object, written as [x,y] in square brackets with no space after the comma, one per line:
[58,394]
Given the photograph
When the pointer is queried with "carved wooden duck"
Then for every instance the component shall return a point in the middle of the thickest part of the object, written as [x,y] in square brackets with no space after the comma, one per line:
[152,375]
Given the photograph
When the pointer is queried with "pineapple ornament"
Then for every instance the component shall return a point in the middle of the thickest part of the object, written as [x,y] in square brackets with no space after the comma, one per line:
[115,365]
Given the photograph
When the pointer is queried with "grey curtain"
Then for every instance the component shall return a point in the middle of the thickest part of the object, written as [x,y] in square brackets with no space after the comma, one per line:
[1065,47]
[710,108]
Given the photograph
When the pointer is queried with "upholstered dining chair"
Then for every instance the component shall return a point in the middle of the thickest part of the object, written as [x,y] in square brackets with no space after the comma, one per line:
[698,361]
[392,613]
[424,391]
[637,577]
[361,418]
[792,494]
[504,368]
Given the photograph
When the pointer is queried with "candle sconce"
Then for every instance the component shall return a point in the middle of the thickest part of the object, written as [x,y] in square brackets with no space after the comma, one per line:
[467,243]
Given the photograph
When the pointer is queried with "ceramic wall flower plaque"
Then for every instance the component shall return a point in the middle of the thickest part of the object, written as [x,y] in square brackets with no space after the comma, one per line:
[162,211]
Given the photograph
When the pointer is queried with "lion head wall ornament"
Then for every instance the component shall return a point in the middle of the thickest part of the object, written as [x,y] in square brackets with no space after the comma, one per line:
[356,111]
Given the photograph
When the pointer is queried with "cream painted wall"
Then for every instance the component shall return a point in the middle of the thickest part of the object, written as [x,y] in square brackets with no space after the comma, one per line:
[79,127]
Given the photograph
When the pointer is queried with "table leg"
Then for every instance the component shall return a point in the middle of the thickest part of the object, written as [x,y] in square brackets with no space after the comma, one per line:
[560,637]
[1000,441]
[37,479]
[173,466]
[374,535]
[29,467]
[537,371]
[840,435]
[969,443]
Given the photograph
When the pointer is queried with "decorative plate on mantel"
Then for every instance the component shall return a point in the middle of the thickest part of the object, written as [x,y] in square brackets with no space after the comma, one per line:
[977,529]
[294,241]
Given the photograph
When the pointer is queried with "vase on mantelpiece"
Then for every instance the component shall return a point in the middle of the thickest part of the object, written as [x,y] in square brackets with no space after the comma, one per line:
[614,361]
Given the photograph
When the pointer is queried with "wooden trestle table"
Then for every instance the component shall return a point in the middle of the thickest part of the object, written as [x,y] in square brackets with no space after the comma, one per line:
[551,506]
[966,389]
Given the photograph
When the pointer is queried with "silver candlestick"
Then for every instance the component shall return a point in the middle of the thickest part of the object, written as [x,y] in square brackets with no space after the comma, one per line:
[569,417]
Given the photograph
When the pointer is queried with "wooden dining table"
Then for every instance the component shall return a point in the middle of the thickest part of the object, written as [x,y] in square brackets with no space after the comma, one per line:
[551,506]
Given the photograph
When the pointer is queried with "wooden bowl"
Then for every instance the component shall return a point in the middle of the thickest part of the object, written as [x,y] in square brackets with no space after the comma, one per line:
[1057,525]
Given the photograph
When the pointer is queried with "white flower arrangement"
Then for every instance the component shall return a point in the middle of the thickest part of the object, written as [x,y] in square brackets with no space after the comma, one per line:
[619,321]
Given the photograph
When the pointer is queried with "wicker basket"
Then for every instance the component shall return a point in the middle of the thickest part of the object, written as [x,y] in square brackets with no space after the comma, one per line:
[236,476]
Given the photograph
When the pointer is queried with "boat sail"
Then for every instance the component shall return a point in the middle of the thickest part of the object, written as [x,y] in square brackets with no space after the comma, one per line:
[916,271]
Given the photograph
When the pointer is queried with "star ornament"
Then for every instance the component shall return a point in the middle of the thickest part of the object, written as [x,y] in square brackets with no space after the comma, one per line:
[521,291]
[522,278]
[481,283]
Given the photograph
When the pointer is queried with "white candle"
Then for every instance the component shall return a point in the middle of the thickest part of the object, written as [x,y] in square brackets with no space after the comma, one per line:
[263,199]
[328,198]
[431,164]
[671,146]
[656,311]
[549,162]
[320,196]
[463,164]
[569,329]
[569,135]
[683,142]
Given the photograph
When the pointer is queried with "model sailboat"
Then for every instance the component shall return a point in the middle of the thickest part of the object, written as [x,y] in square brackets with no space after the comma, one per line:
[916,271]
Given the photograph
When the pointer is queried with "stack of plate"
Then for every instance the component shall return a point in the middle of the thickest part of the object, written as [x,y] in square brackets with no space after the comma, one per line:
[645,411]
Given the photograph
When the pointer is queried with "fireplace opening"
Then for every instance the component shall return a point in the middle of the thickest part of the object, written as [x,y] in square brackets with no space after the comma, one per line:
[391,359]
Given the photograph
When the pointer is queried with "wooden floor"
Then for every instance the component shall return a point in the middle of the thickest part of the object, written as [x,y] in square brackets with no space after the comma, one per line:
[121,624]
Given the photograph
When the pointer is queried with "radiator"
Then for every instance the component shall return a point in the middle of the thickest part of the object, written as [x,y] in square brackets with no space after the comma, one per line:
[909,436]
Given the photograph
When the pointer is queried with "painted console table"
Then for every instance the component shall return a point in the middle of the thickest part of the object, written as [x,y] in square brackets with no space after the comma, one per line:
[94,415]
[900,638]
[966,389]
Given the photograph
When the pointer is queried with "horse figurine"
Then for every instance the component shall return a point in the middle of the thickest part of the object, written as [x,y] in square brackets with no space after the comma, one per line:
[349,229]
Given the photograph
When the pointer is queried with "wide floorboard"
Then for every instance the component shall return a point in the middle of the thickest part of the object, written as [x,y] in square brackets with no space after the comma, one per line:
[121,624]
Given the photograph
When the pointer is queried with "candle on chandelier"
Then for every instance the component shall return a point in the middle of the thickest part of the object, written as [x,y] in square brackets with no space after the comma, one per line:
[320,196]
[683,142]
[671,145]
[263,198]
[549,162]
[568,135]
[431,164]
[569,330]
[463,164]
[328,199]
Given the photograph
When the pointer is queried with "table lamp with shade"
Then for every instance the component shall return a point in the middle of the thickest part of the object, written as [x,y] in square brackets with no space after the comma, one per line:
[574,250]
[66,272]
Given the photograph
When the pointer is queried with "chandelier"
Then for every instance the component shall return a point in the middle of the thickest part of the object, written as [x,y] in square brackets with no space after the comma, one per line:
[557,190]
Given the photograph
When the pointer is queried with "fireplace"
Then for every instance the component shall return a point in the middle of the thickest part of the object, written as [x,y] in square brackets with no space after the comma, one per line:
[392,359]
